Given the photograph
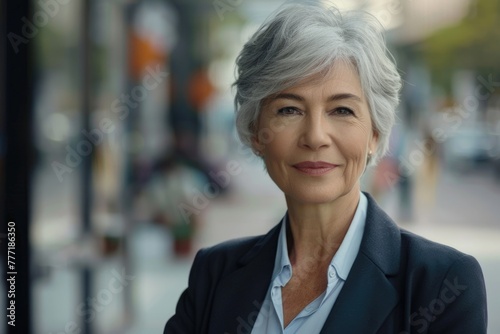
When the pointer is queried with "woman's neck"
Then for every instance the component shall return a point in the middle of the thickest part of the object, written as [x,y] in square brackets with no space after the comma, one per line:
[317,230]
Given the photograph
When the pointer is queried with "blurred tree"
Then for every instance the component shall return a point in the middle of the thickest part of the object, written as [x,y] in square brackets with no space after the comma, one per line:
[472,44]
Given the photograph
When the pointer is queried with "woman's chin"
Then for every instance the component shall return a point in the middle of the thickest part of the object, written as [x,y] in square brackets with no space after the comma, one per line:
[319,195]
[314,198]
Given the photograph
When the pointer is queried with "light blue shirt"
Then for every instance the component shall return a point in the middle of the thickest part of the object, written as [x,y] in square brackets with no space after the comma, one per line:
[312,318]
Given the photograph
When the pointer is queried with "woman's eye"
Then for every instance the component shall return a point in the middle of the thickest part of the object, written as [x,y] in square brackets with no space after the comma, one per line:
[343,111]
[288,111]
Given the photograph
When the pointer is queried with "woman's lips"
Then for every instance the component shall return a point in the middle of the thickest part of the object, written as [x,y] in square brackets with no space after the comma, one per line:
[314,167]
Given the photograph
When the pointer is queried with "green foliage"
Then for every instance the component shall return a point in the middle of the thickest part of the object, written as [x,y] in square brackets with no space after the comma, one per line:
[183,231]
[473,44]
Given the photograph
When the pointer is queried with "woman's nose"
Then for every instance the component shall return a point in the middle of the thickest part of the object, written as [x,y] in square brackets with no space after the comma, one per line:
[315,132]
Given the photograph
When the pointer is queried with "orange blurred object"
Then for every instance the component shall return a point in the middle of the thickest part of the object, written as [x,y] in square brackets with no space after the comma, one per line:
[144,53]
[200,89]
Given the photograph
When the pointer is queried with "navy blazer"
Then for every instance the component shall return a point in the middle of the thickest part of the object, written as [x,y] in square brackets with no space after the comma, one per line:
[399,283]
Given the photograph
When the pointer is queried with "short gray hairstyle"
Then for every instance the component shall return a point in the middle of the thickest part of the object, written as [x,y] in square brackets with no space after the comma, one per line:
[302,40]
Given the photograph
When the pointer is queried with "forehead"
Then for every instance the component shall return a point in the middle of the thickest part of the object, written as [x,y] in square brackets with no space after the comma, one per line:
[342,76]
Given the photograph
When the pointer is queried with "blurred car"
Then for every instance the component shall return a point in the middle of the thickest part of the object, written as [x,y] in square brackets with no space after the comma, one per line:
[471,147]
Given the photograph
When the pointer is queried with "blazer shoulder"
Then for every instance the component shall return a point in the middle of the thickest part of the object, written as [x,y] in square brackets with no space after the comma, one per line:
[224,257]
[434,256]
[240,251]
[231,249]
[446,281]
[209,267]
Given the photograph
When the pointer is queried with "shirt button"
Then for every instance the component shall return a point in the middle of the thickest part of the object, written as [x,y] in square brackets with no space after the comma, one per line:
[331,274]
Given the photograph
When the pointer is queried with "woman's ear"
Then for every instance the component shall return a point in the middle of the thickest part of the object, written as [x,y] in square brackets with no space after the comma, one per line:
[375,138]
[374,141]
[257,147]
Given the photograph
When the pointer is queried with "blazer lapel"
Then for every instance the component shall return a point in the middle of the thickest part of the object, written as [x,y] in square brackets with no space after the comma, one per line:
[369,294]
[239,296]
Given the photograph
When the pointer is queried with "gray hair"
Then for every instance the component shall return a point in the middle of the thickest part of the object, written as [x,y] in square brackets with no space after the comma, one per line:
[304,40]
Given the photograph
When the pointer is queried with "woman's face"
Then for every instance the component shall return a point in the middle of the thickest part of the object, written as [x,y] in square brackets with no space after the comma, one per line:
[315,137]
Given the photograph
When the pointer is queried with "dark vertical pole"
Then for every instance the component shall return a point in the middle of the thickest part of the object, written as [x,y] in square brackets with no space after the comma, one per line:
[87,163]
[17,145]
[183,117]
[129,178]
[3,32]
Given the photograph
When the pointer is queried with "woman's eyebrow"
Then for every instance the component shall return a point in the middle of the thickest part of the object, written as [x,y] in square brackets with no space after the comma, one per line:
[289,96]
[335,97]
[344,96]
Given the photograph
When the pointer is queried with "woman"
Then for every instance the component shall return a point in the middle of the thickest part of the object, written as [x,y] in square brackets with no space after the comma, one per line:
[316,97]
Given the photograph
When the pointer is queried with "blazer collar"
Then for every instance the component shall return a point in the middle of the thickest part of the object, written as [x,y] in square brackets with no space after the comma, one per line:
[263,245]
[370,292]
[239,296]
[382,239]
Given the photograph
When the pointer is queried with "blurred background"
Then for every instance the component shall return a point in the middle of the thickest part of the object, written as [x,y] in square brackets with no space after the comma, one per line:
[123,110]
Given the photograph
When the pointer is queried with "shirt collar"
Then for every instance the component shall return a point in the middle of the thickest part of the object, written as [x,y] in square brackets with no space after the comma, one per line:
[345,255]
[282,261]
